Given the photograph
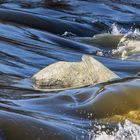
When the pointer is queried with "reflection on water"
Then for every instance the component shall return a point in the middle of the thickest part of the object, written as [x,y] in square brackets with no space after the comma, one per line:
[34,34]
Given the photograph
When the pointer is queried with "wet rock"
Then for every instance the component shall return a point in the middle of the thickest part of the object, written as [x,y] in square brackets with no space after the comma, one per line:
[63,75]
[103,40]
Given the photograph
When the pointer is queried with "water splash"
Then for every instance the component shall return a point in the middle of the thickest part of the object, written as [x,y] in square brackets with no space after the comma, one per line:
[126,131]
[115,30]
[129,46]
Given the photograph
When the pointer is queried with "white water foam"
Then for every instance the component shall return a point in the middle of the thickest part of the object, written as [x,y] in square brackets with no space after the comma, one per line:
[115,30]
[129,46]
[127,131]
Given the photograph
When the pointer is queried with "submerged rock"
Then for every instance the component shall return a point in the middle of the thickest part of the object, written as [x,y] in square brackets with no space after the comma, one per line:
[62,75]
[103,40]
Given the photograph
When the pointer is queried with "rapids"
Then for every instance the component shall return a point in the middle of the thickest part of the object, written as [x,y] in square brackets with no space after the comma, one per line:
[36,33]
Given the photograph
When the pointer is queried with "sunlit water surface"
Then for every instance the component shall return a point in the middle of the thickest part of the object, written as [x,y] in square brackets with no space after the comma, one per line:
[34,34]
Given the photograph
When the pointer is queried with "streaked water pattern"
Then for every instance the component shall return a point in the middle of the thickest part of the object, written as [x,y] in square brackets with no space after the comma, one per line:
[34,34]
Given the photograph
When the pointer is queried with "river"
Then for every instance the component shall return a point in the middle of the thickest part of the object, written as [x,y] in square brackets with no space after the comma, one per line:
[36,33]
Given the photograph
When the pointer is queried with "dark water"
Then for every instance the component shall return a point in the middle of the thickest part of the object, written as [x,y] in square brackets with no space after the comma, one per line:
[34,34]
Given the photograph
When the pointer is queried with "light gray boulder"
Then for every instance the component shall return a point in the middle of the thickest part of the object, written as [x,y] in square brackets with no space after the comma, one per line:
[65,75]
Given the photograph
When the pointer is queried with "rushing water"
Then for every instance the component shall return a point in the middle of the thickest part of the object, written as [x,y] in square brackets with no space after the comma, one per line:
[34,34]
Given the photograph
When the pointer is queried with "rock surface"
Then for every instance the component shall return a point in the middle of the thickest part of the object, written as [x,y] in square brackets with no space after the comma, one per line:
[63,75]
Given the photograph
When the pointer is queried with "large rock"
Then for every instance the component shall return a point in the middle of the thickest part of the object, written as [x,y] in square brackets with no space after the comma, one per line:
[63,75]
